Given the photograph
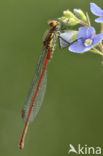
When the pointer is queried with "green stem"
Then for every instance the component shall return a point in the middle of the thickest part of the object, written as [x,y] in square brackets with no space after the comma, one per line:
[83,23]
[101,27]
[94,50]
[88,19]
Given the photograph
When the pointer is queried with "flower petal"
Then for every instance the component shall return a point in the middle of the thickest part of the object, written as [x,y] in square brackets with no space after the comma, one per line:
[65,38]
[97,39]
[96,10]
[90,32]
[82,32]
[78,47]
[99,20]
[86,32]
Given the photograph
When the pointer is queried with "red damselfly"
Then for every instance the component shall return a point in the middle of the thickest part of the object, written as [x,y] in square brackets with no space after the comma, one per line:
[38,87]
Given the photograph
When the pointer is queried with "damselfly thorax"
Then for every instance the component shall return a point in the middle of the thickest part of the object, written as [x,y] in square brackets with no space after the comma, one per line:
[51,37]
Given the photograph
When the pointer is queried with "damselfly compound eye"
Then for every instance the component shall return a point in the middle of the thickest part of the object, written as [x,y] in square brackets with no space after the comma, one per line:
[53,23]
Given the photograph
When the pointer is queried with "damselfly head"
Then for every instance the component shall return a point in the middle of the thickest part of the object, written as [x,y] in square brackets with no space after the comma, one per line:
[53,23]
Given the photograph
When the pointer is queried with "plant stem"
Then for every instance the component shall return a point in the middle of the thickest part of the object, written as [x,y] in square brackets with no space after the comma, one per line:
[88,20]
[96,51]
[101,46]
[101,27]
[83,23]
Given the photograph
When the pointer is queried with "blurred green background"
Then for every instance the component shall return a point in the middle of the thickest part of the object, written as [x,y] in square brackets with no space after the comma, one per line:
[72,112]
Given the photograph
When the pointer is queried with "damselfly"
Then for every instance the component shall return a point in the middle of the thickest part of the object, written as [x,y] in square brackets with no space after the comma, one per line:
[38,87]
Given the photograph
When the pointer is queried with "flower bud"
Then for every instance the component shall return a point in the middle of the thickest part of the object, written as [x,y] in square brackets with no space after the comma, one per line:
[80,14]
[72,22]
[62,18]
[68,14]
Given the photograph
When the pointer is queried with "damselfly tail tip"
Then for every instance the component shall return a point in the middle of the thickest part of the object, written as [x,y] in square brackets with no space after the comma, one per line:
[21,144]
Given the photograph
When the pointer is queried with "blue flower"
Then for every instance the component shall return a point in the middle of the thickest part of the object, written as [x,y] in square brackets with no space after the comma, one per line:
[96,10]
[86,39]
